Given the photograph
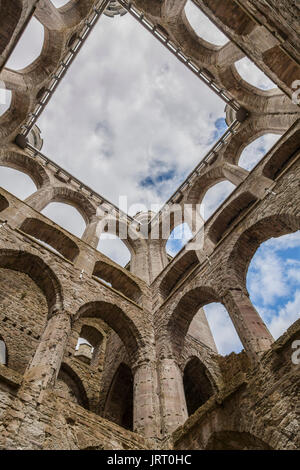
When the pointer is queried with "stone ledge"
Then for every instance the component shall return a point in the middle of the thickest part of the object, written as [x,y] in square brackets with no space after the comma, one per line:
[10,377]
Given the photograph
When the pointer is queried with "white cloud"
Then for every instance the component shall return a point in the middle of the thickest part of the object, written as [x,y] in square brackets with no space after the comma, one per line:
[285,317]
[267,280]
[128,110]
[273,282]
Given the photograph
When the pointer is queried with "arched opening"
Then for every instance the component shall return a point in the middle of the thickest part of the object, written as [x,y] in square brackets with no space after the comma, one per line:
[214,197]
[5,100]
[114,248]
[197,386]
[255,151]
[273,282]
[3,352]
[29,46]
[59,3]
[222,329]
[232,440]
[119,403]
[182,317]
[66,216]
[203,26]
[16,182]
[178,238]
[69,386]
[233,16]
[119,321]
[117,279]
[253,75]
[51,237]
[89,345]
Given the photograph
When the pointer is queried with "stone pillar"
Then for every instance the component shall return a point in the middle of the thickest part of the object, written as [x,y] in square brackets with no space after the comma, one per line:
[146,411]
[252,331]
[172,396]
[90,234]
[17,16]
[234,173]
[40,199]
[193,218]
[44,367]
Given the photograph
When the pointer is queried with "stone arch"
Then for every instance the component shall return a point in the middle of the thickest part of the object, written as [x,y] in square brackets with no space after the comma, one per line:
[17,112]
[197,384]
[75,199]
[118,279]
[215,197]
[27,56]
[10,14]
[119,402]
[119,321]
[243,138]
[281,157]
[176,272]
[248,242]
[261,82]
[203,183]
[51,236]
[191,10]
[233,440]
[69,386]
[38,271]
[25,164]
[184,312]
[229,214]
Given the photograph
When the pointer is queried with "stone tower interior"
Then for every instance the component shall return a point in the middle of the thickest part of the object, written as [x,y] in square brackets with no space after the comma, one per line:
[97,356]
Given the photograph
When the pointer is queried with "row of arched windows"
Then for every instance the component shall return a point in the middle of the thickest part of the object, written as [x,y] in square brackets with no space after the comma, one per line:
[66,216]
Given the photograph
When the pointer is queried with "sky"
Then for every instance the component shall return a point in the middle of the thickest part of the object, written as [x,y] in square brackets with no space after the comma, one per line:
[129,119]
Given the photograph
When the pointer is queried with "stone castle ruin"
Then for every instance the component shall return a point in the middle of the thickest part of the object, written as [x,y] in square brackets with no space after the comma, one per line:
[146,373]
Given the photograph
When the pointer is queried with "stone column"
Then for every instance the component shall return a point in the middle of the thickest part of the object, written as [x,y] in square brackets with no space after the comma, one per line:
[17,16]
[252,331]
[234,173]
[44,367]
[90,234]
[172,396]
[146,411]
[40,199]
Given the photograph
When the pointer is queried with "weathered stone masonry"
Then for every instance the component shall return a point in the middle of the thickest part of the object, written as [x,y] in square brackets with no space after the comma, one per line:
[147,374]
